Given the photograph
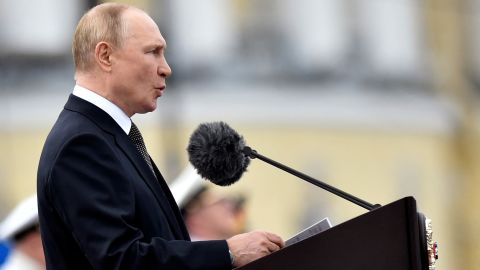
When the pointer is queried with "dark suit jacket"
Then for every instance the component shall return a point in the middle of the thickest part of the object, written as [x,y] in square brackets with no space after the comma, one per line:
[100,207]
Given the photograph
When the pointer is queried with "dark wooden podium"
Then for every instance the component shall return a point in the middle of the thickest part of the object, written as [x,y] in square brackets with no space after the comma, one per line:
[387,238]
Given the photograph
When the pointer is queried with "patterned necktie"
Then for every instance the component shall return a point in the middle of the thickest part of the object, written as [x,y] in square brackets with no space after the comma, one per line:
[137,140]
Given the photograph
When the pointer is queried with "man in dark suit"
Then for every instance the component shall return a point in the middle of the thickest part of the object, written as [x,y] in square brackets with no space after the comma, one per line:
[103,203]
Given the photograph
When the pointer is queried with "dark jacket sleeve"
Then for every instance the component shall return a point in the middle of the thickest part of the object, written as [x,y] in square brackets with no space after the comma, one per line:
[92,194]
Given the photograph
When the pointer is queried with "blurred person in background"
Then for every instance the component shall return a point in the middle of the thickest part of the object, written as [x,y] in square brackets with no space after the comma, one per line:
[103,203]
[207,214]
[20,229]
[210,216]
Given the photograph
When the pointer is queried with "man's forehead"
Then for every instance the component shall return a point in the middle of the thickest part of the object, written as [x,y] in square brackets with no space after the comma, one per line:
[139,22]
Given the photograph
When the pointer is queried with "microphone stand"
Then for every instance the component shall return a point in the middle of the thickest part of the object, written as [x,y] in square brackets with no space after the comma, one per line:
[249,152]
[430,248]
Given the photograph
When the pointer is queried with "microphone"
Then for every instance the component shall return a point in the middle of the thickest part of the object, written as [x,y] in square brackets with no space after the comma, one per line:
[215,150]
[221,155]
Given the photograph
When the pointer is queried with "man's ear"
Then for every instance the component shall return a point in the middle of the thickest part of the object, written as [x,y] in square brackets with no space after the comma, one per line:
[103,52]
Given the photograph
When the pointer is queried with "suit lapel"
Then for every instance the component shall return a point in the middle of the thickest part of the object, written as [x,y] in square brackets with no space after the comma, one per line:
[159,188]
[171,199]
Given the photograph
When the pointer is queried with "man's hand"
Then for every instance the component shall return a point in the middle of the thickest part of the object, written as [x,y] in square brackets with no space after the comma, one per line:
[250,246]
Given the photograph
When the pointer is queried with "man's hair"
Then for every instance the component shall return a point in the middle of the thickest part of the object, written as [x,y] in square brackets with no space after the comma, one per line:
[102,23]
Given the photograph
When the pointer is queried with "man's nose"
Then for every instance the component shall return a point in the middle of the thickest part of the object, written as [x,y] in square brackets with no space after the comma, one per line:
[164,69]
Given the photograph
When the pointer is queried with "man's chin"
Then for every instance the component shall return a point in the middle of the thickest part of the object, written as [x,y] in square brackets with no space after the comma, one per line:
[147,110]
[152,107]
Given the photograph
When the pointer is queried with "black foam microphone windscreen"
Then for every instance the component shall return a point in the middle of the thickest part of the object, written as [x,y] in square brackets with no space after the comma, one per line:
[215,150]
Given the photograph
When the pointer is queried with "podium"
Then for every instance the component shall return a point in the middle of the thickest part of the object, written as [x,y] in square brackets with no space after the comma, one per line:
[391,237]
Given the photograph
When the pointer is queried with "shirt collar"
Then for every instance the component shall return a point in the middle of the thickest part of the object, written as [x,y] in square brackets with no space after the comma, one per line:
[106,105]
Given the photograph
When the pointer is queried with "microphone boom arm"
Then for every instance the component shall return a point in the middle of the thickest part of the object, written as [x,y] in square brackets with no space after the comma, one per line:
[249,152]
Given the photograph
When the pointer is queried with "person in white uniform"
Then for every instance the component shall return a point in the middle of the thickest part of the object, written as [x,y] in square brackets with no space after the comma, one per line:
[20,229]
[208,215]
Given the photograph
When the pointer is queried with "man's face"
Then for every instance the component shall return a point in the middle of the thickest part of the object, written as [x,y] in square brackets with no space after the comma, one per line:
[218,217]
[139,67]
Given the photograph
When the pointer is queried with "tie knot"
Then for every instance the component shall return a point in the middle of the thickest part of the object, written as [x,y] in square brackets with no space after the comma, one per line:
[135,135]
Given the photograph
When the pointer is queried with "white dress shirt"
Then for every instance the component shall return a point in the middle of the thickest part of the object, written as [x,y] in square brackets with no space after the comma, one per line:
[106,105]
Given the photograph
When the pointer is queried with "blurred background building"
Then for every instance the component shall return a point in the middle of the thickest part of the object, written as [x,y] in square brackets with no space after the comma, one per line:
[379,98]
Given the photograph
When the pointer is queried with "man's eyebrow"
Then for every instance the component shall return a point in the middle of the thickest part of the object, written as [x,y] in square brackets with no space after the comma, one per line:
[158,45]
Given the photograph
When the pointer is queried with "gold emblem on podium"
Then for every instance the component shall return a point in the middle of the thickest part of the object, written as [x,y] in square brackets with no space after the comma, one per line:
[432,246]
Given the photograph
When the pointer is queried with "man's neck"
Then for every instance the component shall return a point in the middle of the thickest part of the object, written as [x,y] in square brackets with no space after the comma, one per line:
[91,82]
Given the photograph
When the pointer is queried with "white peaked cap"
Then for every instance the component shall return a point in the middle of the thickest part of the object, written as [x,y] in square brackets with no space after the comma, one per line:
[24,215]
[186,185]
